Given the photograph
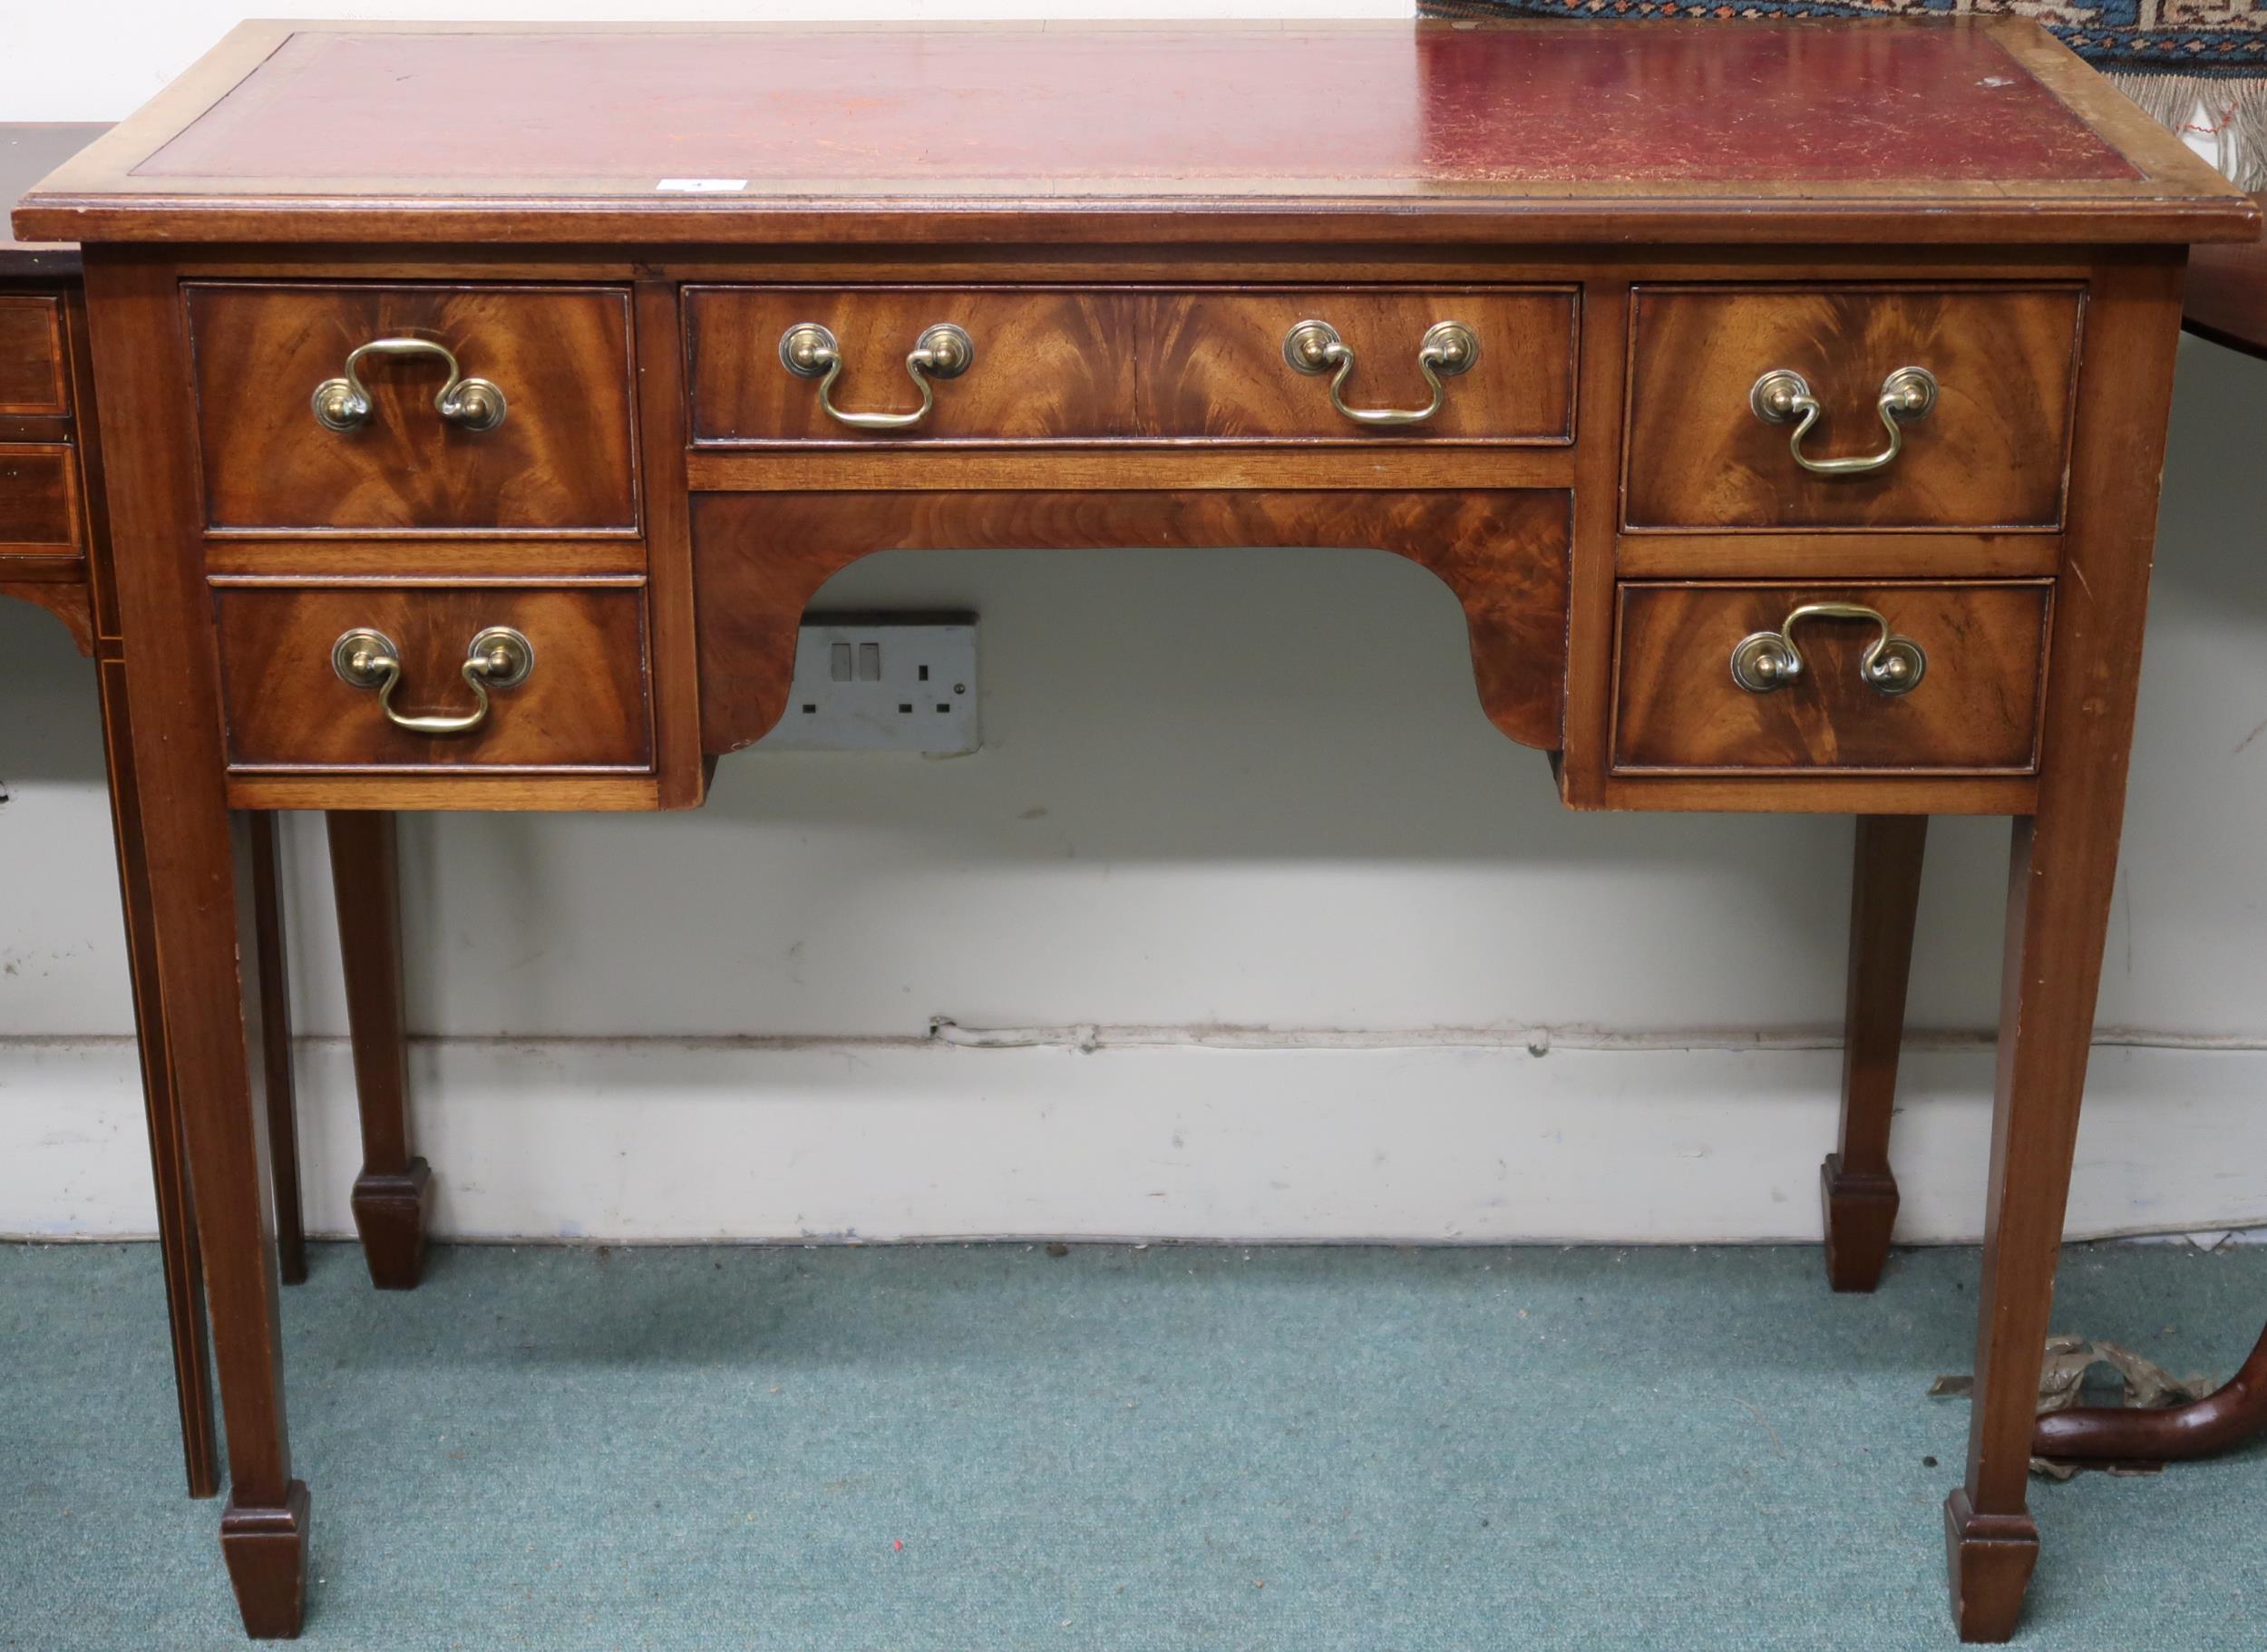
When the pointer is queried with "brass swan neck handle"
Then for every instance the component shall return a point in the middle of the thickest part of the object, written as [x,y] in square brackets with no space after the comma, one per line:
[1447,349]
[499,657]
[1764,661]
[342,404]
[1783,393]
[944,351]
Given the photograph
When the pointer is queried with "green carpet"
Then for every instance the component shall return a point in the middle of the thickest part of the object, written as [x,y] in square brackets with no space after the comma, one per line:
[970,1448]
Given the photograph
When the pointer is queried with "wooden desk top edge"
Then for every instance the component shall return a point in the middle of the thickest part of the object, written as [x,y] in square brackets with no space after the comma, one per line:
[105,195]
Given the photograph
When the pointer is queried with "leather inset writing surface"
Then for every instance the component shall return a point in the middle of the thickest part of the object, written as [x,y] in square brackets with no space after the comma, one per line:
[1237,107]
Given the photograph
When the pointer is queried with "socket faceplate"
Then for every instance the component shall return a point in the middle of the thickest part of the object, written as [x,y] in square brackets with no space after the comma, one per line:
[875,683]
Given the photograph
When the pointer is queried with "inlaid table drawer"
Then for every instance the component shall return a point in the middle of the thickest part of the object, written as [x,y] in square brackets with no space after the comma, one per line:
[466,677]
[427,408]
[1859,406]
[1801,678]
[33,381]
[39,500]
[991,364]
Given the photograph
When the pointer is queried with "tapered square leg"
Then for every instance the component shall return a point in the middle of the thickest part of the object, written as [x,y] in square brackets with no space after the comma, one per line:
[1858,1195]
[2058,916]
[1860,1212]
[265,1552]
[2061,873]
[392,1193]
[199,881]
[390,1218]
[161,1102]
[275,1016]
[1987,1561]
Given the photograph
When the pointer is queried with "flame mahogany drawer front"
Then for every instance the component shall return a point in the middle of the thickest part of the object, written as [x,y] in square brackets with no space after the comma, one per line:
[1983,430]
[569,690]
[1799,678]
[34,379]
[484,407]
[1130,363]
[39,493]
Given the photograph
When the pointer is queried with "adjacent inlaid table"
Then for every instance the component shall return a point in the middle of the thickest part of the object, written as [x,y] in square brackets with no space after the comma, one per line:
[1784,405]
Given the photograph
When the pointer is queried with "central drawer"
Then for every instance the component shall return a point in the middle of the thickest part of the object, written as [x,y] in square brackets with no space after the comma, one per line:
[1130,363]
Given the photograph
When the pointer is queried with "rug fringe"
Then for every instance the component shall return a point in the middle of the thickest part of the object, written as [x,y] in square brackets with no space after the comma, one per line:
[2244,138]
[2235,112]
[2169,99]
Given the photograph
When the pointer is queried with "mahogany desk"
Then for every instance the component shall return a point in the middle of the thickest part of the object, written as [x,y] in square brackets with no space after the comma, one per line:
[1784,405]
[54,551]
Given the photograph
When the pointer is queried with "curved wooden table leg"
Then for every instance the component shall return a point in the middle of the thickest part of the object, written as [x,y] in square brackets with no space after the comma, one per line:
[395,1187]
[2227,1417]
[1855,1187]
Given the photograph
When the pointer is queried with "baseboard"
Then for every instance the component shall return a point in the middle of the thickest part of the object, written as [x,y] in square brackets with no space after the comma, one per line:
[651,1140]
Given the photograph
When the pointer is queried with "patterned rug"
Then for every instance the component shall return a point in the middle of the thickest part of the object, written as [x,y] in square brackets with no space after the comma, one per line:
[2200,66]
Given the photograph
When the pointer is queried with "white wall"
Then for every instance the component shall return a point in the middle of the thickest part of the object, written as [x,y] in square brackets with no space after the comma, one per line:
[1219,789]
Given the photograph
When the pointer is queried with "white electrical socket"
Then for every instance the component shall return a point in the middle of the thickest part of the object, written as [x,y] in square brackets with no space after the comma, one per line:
[883,683]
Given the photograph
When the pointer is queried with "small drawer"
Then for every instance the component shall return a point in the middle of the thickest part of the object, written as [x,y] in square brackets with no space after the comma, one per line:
[1981,439]
[582,704]
[1043,365]
[1703,682]
[1069,365]
[1221,365]
[34,379]
[39,500]
[295,438]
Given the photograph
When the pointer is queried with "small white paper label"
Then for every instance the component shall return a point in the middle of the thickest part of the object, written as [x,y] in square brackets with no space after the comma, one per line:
[701,186]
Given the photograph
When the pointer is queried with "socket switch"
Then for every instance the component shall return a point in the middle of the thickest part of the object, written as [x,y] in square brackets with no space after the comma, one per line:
[881,683]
